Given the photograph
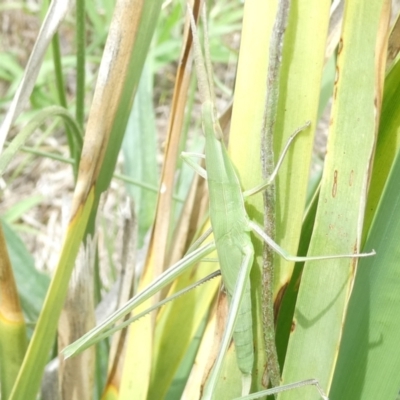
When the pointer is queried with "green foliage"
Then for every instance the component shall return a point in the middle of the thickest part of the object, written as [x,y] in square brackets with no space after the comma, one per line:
[32,285]
[335,322]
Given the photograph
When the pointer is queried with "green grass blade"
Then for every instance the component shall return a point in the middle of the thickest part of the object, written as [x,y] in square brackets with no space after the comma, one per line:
[369,357]
[244,150]
[32,285]
[325,286]
[80,62]
[299,100]
[140,150]
[62,98]
[30,374]
[54,17]
[180,319]
[135,60]
[110,91]
[289,292]
[16,211]
[13,339]
[388,142]
[52,111]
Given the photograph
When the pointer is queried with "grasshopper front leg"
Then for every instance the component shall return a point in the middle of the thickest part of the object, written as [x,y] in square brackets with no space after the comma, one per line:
[283,253]
[284,388]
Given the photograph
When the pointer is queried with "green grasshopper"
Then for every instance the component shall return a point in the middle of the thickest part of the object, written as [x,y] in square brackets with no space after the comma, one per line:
[231,229]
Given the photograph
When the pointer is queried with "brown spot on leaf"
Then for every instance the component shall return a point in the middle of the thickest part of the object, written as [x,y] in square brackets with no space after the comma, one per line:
[351,179]
[336,75]
[336,82]
[278,301]
[293,326]
[334,187]
[340,46]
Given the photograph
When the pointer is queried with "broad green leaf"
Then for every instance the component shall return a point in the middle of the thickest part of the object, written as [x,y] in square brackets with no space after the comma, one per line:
[13,339]
[244,149]
[369,356]
[30,374]
[32,284]
[298,102]
[180,380]
[135,61]
[388,142]
[325,286]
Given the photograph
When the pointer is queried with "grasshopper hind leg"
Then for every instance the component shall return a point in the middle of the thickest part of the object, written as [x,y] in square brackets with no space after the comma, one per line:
[246,384]
[234,307]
